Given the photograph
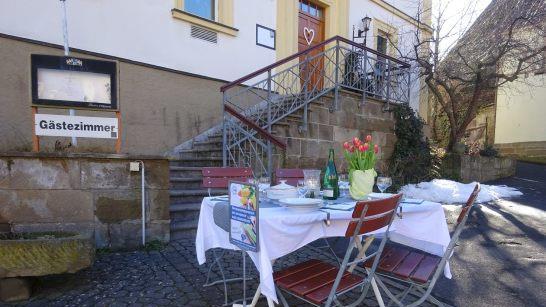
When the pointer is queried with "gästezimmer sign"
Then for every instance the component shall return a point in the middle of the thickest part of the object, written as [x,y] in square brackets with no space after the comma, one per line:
[77,126]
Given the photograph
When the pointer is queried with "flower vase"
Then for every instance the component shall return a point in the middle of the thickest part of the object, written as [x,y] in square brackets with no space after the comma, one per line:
[361,183]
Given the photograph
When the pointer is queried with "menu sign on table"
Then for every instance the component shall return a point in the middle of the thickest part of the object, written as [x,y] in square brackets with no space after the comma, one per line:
[243,204]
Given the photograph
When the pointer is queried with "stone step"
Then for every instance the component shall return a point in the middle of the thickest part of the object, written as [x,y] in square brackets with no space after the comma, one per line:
[184,212]
[183,229]
[193,196]
[186,171]
[181,183]
[212,153]
[197,192]
[208,145]
[198,161]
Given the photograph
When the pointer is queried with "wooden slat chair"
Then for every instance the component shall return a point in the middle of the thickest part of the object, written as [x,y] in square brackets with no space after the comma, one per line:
[320,283]
[290,175]
[219,177]
[416,270]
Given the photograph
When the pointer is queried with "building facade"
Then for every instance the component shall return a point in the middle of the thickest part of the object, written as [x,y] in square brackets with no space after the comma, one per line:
[172,56]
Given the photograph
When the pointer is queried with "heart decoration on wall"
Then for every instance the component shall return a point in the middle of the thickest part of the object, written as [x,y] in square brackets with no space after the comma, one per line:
[309,35]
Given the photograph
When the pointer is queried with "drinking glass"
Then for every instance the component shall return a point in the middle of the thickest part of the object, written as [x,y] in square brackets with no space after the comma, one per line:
[302,188]
[343,182]
[383,183]
[252,181]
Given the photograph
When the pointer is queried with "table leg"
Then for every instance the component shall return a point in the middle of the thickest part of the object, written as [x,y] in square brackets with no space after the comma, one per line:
[377,293]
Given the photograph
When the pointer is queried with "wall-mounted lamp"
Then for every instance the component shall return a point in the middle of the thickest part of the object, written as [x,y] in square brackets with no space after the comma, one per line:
[363,28]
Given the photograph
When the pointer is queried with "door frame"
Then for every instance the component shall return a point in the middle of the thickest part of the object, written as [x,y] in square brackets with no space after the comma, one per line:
[288,19]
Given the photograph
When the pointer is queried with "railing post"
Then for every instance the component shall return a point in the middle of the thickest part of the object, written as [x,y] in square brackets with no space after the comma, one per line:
[388,79]
[224,131]
[408,72]
[336,88]
[269,147]
[365,74]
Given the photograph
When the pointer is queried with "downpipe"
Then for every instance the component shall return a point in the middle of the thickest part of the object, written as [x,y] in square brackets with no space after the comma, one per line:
[135,167]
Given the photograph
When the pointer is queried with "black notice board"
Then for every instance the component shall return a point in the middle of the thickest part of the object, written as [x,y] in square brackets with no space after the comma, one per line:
[71,82]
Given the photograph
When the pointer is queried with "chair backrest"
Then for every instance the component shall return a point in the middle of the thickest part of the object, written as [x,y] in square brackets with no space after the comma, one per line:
[371,215]
[469,203]
[455,236]
[291,175]
[219,177]
[367,217]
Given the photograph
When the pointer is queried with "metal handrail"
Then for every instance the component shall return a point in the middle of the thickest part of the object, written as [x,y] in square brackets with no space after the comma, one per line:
[268,136]
[297,55]
[251,109]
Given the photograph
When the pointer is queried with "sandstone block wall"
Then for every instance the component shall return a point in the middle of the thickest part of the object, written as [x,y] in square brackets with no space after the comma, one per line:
[90,194]
[325,130]
[523,149]
[467,168]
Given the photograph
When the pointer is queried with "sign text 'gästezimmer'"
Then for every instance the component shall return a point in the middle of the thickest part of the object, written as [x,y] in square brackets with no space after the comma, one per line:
[77,126]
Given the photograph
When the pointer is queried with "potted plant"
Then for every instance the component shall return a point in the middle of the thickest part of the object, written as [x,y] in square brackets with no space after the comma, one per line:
[361,158]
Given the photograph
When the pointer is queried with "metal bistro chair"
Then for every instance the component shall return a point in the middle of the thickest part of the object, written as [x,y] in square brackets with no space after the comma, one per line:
[219,178]
[416,270]
[320,283]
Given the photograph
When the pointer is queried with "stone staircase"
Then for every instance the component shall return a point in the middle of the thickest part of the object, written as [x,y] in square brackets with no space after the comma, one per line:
[204,150]
[186,192]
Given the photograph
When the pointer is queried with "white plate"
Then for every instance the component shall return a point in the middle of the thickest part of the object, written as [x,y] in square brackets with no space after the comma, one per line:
[301,204]
[380,195]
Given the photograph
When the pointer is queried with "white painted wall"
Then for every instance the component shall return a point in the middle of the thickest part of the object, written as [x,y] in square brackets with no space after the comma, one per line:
[521,111]
[406,32]
[145,31]
[409,7]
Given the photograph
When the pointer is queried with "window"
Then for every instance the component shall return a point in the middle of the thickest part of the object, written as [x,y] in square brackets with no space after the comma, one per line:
[310,8]
[201,8]
[382,43]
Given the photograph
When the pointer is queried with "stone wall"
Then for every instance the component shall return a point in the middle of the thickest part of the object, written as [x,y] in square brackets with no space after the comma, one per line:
[467,168]
[325,130]
[523,149]
[90,194]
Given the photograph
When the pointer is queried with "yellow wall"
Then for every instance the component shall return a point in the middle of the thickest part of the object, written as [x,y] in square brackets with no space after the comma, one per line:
[521,112]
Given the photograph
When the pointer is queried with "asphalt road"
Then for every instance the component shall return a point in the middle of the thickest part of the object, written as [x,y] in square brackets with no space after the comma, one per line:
[500,260]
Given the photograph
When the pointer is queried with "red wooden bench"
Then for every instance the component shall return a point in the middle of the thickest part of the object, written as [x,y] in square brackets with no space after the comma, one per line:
[290,175]
[219,177]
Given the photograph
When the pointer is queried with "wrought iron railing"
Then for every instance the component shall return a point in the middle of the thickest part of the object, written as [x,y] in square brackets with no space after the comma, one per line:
[254,103]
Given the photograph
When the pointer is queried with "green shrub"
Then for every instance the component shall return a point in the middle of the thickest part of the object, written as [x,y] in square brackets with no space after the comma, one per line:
[489,151]
[413,159]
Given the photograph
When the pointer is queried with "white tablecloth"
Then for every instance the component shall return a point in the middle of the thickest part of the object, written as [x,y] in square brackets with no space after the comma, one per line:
[423,226]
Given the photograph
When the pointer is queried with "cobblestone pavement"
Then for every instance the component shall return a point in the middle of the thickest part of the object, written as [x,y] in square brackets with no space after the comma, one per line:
[170,277]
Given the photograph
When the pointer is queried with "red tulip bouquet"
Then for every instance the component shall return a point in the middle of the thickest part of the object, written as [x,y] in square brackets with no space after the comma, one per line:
[361,158]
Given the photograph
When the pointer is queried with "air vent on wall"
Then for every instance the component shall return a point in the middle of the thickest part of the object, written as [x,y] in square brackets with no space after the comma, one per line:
[204,34]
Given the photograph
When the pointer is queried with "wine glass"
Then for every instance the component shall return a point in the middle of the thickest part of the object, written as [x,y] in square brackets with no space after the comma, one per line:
[264,183]
[302,188]
[383,183]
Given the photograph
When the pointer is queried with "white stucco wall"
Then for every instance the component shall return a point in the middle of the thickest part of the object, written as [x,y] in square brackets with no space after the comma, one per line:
[406,31]
[145,31]
[521,111]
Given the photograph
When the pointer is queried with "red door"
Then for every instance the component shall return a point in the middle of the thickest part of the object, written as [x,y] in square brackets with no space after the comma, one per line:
[311,33]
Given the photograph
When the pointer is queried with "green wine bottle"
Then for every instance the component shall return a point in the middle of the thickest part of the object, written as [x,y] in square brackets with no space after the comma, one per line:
[330,186]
